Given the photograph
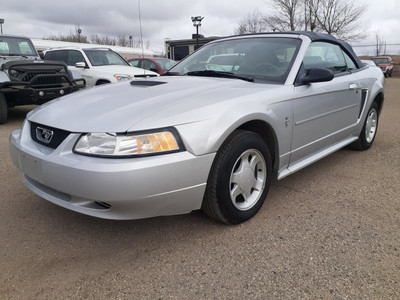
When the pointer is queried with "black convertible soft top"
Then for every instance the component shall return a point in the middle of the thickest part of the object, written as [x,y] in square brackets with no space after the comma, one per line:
[324,37]
[320,37]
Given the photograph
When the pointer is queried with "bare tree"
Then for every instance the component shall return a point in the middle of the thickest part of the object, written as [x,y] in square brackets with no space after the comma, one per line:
[286,16]
[123,41]
[340,18]
[252,23]
[380,44]
[310,8]
[71,37]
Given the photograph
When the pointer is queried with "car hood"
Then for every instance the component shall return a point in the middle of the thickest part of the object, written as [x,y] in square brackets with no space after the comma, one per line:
[144,104]
[6,59]
[116,69]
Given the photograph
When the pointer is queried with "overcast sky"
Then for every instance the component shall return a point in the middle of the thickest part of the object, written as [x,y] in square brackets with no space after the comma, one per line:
[161,18]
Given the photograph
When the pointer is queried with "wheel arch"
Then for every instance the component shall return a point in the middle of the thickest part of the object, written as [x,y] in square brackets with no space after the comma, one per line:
[268,134]
[379,98]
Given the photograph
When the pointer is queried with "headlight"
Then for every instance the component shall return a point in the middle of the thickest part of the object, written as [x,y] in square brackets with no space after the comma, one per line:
[128,145]
[14,73]
[122,77]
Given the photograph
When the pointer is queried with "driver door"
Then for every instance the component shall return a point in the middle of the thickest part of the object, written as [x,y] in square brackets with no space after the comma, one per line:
[324,113]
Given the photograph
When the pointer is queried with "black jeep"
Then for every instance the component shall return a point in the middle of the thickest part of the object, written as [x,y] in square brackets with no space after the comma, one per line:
[26,79]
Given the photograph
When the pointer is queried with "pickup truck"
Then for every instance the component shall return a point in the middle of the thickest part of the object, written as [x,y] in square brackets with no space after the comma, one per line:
[385,63]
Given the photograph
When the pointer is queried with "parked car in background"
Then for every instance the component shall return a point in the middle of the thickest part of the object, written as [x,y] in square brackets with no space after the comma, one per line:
[26,79]
[158,65]
[385,63]
[201,137]
[97,65]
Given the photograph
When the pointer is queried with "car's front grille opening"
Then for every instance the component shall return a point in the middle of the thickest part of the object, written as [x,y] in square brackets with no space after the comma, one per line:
[29,76]
[104,204]
[48,136]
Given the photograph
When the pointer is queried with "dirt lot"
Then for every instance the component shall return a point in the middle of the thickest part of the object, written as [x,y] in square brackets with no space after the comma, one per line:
[331,231]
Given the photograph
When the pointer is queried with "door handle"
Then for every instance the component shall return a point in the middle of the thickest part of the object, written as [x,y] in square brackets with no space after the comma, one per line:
[352,86]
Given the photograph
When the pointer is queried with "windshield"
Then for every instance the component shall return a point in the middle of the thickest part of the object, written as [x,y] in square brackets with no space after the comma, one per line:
[380,60]
[166,64]
[265,59]
[104,57]
[16,46]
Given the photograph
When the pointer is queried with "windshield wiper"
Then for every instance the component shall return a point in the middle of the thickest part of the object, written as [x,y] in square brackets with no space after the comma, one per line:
[171,74]
[211,73]
[13,54]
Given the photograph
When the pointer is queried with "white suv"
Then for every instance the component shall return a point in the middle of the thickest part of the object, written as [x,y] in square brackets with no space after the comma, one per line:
[96,65]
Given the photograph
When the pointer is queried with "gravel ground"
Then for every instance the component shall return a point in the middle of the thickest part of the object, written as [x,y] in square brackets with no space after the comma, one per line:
[330,231]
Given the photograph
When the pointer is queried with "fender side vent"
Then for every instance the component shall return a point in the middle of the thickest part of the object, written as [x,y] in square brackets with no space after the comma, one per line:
[364,93]
[104,204]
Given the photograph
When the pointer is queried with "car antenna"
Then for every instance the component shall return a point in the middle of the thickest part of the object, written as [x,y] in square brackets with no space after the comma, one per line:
[141,34]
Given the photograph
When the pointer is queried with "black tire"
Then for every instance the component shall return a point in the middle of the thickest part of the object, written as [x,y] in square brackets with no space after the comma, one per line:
[3,109]
[390,73]
[233,162]
[386,74]
[368,132]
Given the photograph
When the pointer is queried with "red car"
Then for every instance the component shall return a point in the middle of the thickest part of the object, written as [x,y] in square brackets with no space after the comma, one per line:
[385,63]
[158,65]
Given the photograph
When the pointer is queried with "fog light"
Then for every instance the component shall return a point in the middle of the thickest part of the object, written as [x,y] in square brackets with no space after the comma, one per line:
[41,94]
[62,92]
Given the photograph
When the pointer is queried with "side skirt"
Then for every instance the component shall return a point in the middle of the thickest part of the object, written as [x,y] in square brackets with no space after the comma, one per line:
[313,158]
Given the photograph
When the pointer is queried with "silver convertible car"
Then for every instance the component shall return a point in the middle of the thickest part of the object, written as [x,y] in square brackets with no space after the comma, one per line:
[211,134]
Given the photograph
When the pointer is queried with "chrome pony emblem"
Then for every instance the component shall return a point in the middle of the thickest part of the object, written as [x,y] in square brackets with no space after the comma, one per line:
[44,135]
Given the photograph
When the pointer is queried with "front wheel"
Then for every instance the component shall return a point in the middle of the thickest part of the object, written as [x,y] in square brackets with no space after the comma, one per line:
[239,179]
[3,109]
[369,130]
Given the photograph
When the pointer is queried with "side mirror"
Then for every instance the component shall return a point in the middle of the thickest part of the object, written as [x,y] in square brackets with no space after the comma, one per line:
[317,75]
[81,65]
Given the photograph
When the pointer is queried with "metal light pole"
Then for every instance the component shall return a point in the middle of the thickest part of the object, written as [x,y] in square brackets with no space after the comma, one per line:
[1,25]
[79,34]
[196,23]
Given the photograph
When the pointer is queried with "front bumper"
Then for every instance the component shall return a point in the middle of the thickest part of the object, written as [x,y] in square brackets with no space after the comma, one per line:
[34,92]
[131,188]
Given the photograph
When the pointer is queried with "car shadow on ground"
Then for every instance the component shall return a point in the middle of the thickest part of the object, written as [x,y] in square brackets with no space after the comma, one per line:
[18,114]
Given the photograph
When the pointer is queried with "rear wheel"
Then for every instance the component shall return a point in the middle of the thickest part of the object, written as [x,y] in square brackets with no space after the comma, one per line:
[239,180]
[368,133]
[3,109]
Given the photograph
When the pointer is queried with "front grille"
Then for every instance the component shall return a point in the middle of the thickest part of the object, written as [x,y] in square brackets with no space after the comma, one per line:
[57,138]
[28,77]
[38,77]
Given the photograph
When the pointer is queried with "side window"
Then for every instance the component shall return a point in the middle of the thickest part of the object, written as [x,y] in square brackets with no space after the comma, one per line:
[61,55]
[134,63]
[153,67]
[350,63]
[74,57]
[147,64]
[49,55]
[325,55]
